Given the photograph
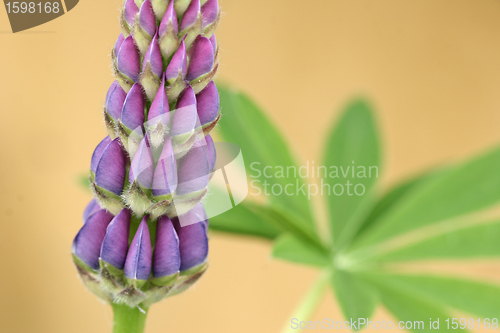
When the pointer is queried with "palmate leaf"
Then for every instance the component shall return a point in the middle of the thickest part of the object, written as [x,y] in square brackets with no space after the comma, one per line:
[356,298]
[295,250]
[408,305]
[262,145]
[353,146]
[459,190]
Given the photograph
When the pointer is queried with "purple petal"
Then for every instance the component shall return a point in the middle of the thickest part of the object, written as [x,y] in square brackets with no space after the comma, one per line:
[170,19]
[195,215]
[159,108]
[110,172]
[114,100]
[201,58]
[165,176]
[193,242]
[185,115]
[147,19]
[87,243]
[115,245]
[142,165]
[213,41]
[191,15]
[209,12]
[194,170]
[133,108]
[128,59]
[130,11]
[138,262]
[166,257]
[207,102]
[96,156]
[211,152]
[92,208]
[119,42]
[178,63]
[153,56]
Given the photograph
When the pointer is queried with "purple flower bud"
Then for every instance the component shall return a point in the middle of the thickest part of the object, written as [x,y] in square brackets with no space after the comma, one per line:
[191,15]
[165,175]
[209,12]
[133,108]
[159,108]
[168,32]
[87,243]
[178,64]
[115,245]
[147,19]
[141,169]
[118,43]
[153,57]
[96,156]
[110,171]
[91,208]
[185,117]
[114,100]
[127,61]
[194,170]
[211,152]
[166,257]
[130,11]
[201,58]
[213,41]
[207,102]
[152,69]
[169,21]
[138,262]
[193,241]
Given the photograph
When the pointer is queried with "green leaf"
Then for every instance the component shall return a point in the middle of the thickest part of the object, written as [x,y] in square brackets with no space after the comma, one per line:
[474,241]
[290,248]
[393,196]
[353,146]
[243,220]
[356,298]
[408,306]
[262,145]
[477,298]
[463,189]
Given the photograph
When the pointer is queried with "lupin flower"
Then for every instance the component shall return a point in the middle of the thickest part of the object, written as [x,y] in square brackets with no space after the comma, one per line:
[144,236]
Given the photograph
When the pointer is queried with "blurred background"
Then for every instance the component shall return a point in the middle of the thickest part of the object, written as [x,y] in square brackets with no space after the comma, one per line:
[431,69]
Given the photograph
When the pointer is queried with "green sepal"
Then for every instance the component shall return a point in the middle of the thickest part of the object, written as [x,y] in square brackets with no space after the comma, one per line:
[112,278]
[188,278]
[189,34]
[159,8]
[168,44]
[130,139]
[160,208]
[110,125]
[125,27]
[183,204]
[210,29]
[141,37]
[201,82]
[125,82]
[165,281]
[180,7]
[175,87]
[150,82]
[138,198]
[106,199]
[80,264]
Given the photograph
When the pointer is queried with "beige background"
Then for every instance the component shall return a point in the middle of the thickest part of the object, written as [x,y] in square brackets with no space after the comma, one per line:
[430,67]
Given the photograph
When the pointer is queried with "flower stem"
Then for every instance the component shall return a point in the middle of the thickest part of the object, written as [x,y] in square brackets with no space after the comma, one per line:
[309,303]
[127,319]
